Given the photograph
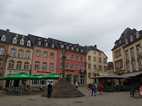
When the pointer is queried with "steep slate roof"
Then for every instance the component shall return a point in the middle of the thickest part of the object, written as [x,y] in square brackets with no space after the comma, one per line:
[127,33]
[10,35]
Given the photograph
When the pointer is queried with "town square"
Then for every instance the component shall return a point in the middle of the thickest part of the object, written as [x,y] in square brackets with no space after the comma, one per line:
[70,53]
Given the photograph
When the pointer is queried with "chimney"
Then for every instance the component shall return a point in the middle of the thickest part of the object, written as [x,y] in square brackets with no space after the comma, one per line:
[7,30]
[95,46]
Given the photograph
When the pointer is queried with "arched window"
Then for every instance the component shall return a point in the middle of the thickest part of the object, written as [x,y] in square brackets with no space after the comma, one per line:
[11,64]
[14,41]
[26,66]
[3,38]
[22,41]
[29,43]
[19,65]
[13,52]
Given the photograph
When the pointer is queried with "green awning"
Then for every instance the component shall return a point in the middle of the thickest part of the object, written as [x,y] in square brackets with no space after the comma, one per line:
[24,76]
[17,76]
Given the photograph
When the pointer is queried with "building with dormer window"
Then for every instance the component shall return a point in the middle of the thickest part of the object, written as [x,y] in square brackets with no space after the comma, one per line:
[127,56]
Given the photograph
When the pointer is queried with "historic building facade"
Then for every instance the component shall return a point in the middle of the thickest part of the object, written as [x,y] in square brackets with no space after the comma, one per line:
[127,52]
[70,60]
[44,56]
[96,63]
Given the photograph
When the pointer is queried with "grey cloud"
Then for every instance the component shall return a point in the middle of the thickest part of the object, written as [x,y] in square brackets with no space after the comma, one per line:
[79,21]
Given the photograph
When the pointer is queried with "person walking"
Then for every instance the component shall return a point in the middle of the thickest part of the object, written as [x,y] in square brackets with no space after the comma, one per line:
[49,90]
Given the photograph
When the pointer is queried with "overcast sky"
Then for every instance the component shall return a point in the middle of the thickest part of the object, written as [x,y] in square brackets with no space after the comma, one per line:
[87,22]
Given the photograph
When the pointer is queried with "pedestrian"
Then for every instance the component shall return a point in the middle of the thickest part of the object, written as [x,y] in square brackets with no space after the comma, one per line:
[100,88]
[49,90]
[89,89]
[76,84]
[140,89]
[94,89]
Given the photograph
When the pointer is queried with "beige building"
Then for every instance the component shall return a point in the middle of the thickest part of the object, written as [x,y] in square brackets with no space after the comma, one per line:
[96,62]
[127,52]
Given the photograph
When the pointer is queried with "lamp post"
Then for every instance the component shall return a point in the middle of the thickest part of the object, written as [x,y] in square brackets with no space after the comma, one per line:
[63,60]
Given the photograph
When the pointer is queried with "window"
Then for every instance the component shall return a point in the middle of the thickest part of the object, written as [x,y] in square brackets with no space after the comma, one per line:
[39,43]
[37,65]
[26,66]
[77,49]
[131,38]
[126,41]
[3,38]
[94,66]
[29,43]
[46,44]
[94,59]
[22,41]
[28,54]
[44,66]
[19,65]
[13,52]
[20,53]
[52,54]
[105,60]
[38,52]
[137,35]
[72,48]
[77,57]
[89,58]
[14,41]
[89,75]
[11,64]
[100,67]
[53,45]
[89,66]
[45,53]
[2,51]
[99,53]
[52,66]
[100,60]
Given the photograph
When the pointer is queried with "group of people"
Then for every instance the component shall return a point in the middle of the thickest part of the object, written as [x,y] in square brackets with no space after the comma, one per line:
[94,89]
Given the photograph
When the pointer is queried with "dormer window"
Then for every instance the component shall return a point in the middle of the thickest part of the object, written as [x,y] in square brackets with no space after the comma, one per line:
[39,43]
[22,41]
[72,48]
[81,50]
[137,35]
[3,38]
[46,44]
[131,38]
[126,41]
[53,45]
[62,46]
[67,47]
[29,43]
[77,49]
[14,41]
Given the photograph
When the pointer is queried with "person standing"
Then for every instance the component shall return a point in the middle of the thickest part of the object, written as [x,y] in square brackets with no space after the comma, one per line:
[94,89]
[49,90]
[76,84]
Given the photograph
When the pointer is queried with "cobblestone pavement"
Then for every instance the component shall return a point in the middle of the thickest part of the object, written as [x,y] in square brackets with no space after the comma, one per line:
[107,99]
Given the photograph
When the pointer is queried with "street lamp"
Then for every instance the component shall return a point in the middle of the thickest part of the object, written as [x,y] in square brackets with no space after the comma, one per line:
[63,60]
